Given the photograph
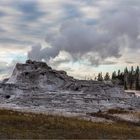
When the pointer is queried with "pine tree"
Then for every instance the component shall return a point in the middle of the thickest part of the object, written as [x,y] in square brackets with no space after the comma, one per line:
[107,77]
[137,74]
[126,71]
[131,77]
[114,75]
[121,78]
[119,72]
[132,69]
[100,78]
[125,78]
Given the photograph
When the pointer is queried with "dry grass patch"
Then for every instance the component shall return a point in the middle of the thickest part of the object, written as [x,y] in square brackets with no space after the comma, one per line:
[20,125]
[117,111]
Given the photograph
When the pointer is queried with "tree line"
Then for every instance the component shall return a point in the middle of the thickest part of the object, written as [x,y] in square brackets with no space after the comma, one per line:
[130,79]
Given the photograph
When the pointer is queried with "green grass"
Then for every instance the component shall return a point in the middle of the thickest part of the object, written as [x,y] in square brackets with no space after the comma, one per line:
[19,125]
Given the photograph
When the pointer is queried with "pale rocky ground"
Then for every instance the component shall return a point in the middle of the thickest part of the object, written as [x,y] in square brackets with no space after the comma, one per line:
[36,87]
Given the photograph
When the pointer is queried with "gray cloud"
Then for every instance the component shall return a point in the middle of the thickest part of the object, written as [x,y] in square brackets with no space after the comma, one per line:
[30,9]
[11,40]
[71,11]
[79,39]
[129,62]
[101,40]
[89,38]
[37,53]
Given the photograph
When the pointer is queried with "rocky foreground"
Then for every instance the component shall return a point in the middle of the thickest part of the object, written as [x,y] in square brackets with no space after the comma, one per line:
[34,86]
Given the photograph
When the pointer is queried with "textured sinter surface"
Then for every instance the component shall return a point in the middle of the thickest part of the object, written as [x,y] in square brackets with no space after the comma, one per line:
[36,86]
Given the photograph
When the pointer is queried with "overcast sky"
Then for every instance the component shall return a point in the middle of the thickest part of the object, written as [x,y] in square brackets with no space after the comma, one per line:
[82,37]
